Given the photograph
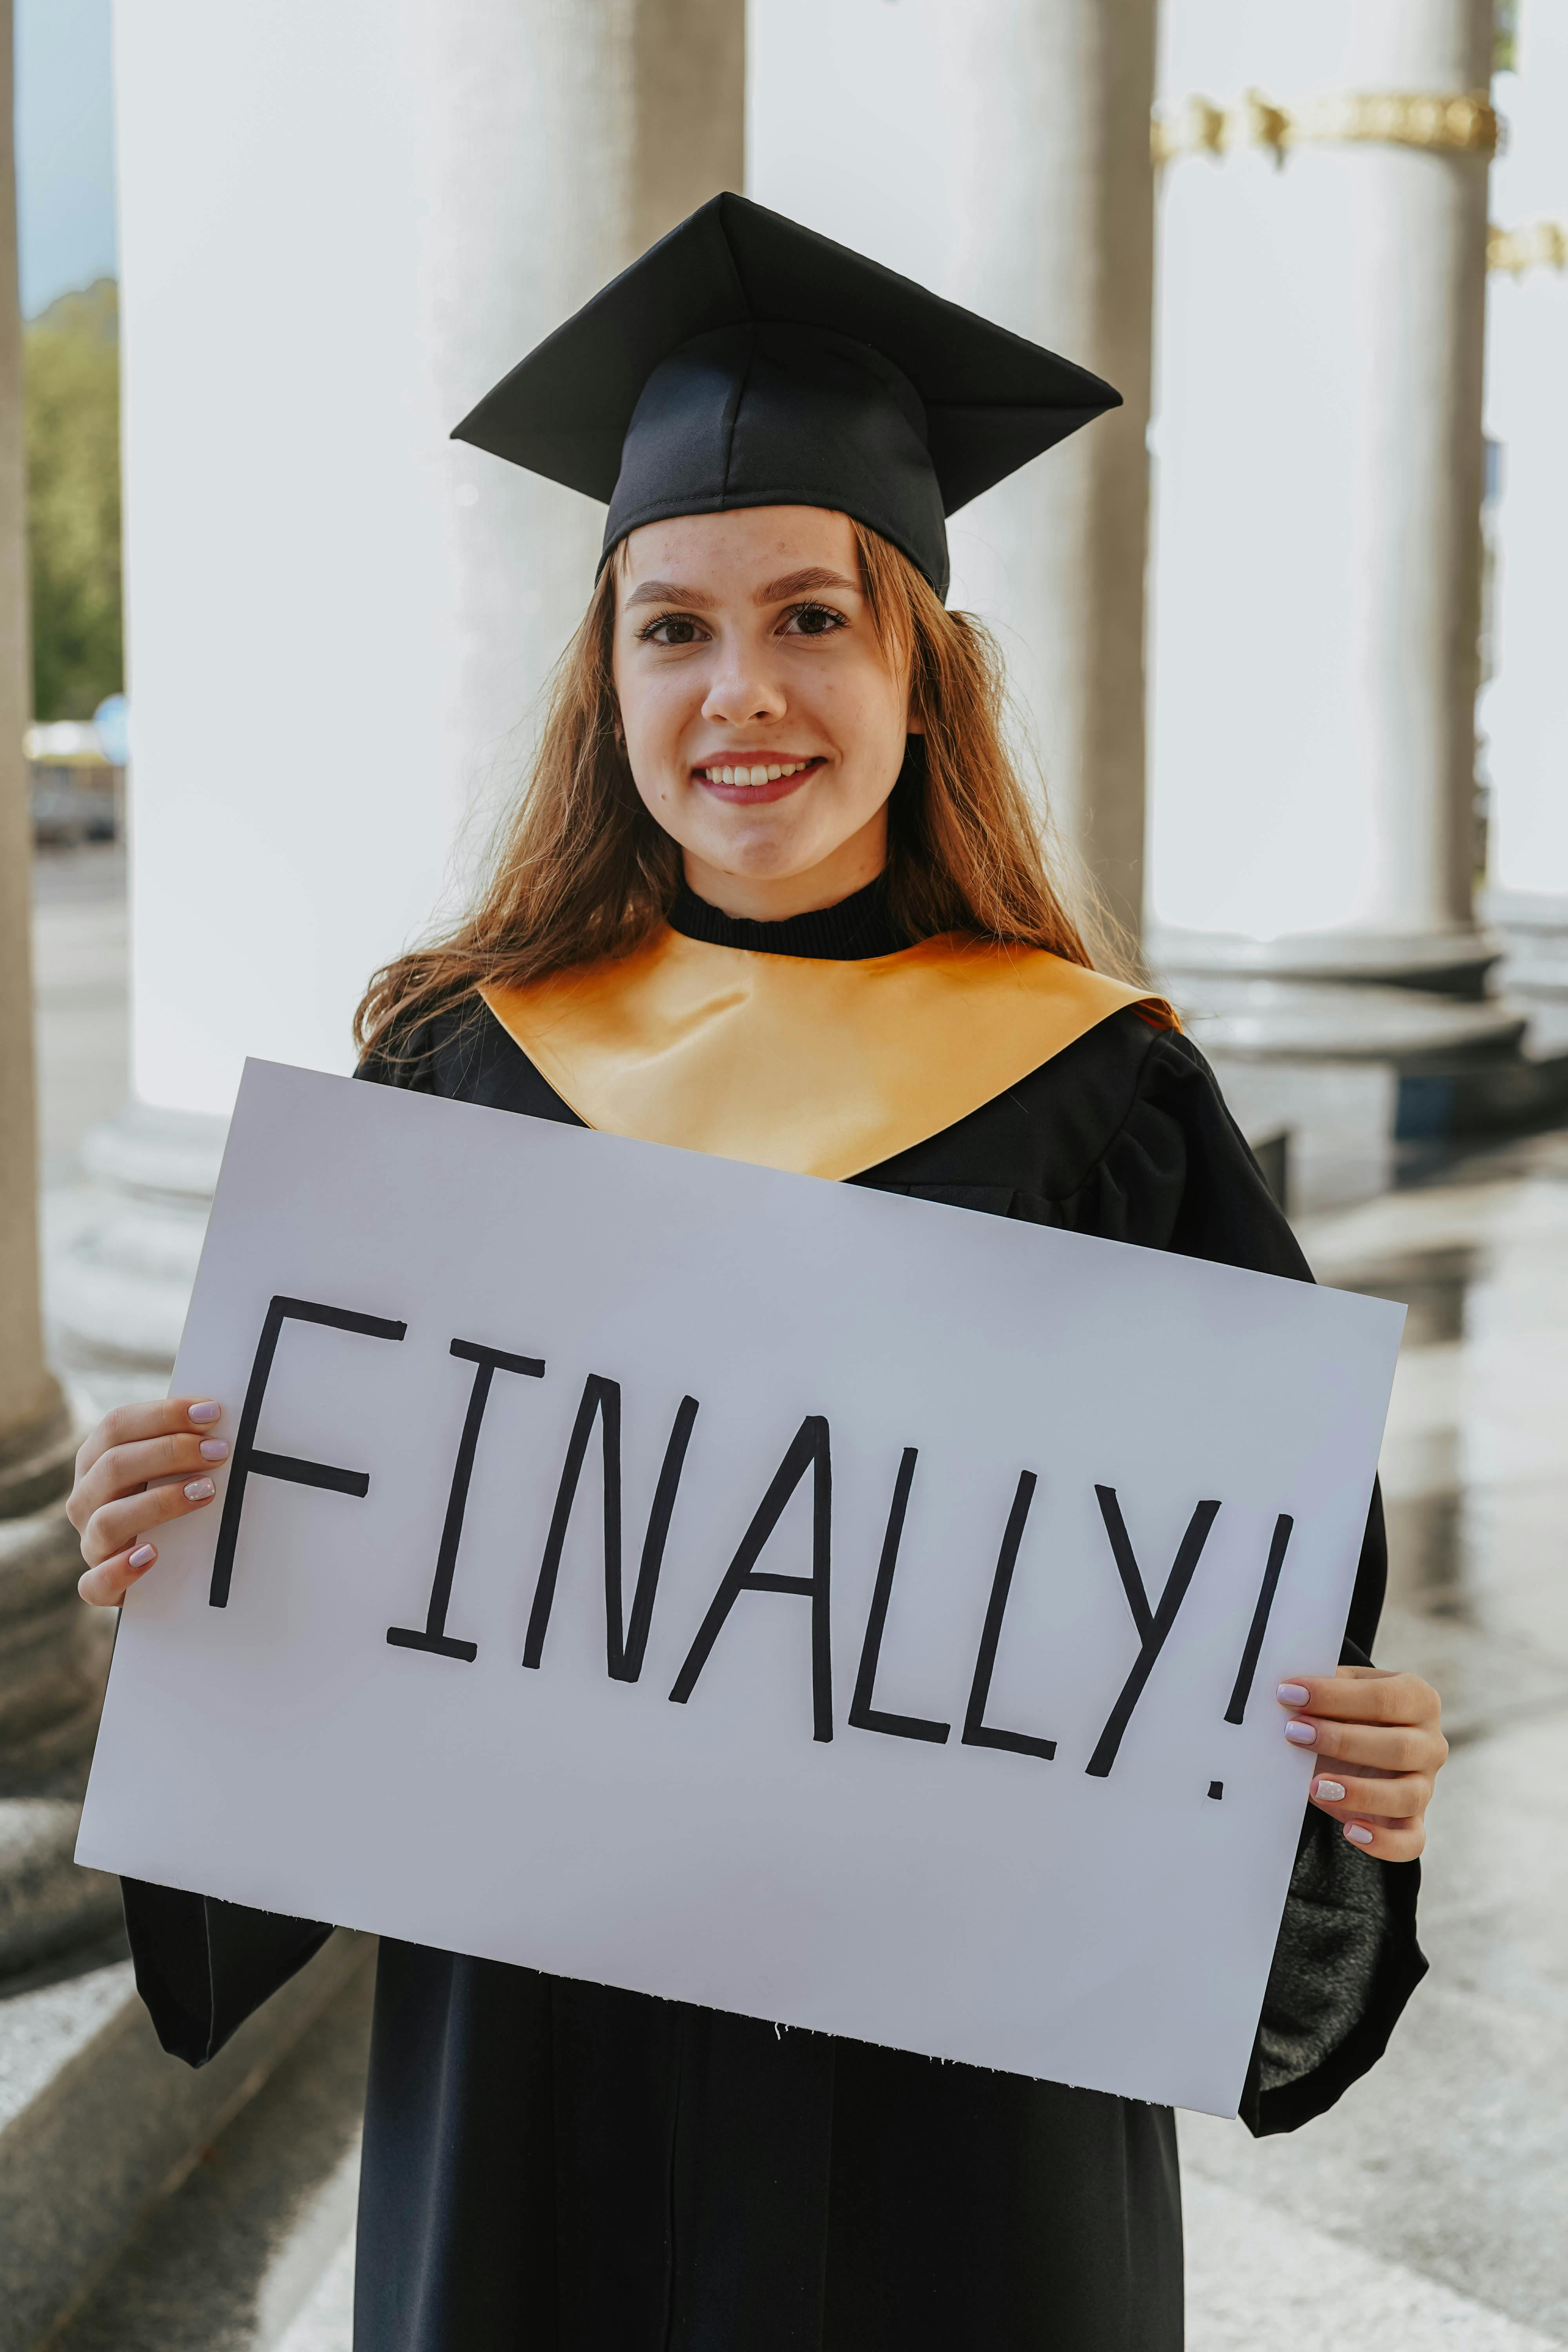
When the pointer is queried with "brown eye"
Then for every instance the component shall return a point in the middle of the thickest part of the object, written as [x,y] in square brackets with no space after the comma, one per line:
[814,621]
[670,629]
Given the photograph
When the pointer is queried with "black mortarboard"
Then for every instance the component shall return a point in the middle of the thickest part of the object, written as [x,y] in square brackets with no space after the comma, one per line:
[747,362]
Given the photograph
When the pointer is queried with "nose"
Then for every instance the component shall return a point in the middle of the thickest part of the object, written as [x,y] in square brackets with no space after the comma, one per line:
[742,690]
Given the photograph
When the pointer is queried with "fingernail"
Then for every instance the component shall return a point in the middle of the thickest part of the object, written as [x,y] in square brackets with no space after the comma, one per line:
[1332,1789]
[1305,1734]
[200,1490]
[144,1556]
[204,1415]
[215,1449]
[1357,1834]
[1292,1694]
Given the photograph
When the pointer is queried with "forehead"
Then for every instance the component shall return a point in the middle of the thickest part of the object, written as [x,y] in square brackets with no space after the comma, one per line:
[735,551]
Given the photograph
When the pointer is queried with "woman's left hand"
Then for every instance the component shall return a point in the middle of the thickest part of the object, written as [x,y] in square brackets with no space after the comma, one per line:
[1378,1737]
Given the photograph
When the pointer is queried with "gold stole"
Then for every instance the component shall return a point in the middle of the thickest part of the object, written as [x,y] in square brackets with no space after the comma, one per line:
[822,1067]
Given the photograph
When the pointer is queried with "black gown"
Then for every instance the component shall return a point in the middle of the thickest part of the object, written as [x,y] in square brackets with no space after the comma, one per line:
[556,2166]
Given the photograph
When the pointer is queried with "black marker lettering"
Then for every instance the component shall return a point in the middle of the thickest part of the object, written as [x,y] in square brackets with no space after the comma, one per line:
[602,1401]
[1152,1625]
[247,1463]
[862,1714]
[977,1732]
[810,1452]
[435,1637]
[1255,1632]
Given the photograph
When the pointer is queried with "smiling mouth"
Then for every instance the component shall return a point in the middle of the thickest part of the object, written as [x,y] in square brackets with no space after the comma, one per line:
[749,775]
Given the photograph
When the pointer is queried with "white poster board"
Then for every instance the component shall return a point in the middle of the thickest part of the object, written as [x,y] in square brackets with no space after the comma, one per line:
[939,1711]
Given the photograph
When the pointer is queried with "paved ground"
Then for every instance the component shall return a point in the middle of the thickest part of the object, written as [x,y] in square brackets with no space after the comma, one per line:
[78,974]
[1430,2209]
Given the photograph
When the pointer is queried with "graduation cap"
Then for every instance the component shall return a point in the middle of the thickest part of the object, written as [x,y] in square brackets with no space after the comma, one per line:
[747,362]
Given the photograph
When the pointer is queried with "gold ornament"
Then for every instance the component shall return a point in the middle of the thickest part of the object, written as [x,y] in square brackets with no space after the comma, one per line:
[1542,246]
[1431,121]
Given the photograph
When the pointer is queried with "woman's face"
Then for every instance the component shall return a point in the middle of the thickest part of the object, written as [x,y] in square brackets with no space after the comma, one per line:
[763,722]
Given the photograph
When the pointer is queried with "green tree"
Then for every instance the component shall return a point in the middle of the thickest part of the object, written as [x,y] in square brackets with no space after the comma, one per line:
[71,357]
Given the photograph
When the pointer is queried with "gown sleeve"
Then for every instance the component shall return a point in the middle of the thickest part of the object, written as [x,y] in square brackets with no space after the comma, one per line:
[1178,1175]
[203,1966]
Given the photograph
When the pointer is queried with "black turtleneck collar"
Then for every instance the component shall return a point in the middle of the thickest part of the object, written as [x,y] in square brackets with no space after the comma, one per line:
[856,929]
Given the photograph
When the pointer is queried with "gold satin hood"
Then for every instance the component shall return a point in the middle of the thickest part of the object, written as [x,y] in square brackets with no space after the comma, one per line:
[817,1067]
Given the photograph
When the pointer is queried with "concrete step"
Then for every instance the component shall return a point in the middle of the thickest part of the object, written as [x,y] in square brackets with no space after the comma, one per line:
[326,2324]
[254,2252]
[99,2127]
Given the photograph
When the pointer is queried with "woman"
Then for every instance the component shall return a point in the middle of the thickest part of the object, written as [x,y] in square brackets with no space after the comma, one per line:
[777,890]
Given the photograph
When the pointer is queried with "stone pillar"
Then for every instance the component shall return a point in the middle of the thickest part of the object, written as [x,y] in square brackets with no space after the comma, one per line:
[35,1432]
[51,1664]
[689,91]
[1524,707]
[999,150]
[337,619]
[1318,472]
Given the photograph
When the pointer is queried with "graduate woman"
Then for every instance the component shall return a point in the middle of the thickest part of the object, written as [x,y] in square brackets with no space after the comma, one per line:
[774,890]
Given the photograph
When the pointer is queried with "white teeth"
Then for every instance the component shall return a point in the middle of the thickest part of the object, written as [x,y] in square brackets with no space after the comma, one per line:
[755,774]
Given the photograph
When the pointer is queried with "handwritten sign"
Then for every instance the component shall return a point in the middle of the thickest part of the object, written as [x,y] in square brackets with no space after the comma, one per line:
[838,1607]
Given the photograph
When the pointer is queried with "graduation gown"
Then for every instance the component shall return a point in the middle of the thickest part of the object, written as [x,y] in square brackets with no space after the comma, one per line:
[558,2167]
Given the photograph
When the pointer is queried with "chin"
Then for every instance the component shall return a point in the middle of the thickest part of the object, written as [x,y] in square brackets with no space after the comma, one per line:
[761,860]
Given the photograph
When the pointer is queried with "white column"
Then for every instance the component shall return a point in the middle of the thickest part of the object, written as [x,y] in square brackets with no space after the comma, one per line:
[1318,467]
[340,222]
[998,152]
[34,1449]
[52,1658]
[1524,708]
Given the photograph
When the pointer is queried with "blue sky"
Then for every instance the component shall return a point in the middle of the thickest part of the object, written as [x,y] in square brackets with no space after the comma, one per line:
[65,147]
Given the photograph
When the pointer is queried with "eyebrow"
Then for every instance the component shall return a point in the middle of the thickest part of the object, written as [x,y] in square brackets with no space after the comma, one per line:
[775,592]
[669,592]
[803,583]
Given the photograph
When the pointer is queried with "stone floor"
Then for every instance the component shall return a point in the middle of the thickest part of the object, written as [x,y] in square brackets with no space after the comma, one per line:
[1446,2169]
[78,974]
[1428,2210]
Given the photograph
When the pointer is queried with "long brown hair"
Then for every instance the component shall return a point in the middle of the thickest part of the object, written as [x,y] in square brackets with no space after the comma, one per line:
[581,870]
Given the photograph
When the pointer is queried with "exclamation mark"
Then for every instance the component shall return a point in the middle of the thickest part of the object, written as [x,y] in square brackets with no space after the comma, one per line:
[1255,1632]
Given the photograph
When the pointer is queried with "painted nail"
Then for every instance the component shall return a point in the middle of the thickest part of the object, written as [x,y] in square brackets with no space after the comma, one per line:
[1292,1694]
[1357,1833]
[1332,1789]
[144,1556]
[200,1490]
[1305,1734]
[215,1449]
[204,1415]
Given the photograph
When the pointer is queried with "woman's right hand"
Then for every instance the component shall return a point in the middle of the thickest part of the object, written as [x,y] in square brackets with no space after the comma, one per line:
[142,1465]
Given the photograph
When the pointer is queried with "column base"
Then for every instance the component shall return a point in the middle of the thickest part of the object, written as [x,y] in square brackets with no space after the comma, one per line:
[54,1657]
[1533,929]
[1286,1023]
[119,1289]
[1323,1021]
[38,1461]
[1454,963]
